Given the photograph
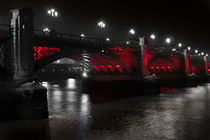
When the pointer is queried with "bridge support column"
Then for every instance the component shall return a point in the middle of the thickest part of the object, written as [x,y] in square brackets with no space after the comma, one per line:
[22,42]
[189,79]
[21,99]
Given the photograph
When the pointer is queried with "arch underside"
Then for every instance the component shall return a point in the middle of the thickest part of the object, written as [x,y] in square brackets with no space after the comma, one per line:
[164,63]
[110,62]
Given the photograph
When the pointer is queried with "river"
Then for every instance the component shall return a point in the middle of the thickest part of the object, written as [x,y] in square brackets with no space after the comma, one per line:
[175,114]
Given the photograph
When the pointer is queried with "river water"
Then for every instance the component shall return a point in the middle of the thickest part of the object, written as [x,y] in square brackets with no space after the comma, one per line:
[176,114]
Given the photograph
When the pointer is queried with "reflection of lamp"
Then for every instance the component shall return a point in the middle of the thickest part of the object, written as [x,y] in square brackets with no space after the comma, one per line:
[71,83]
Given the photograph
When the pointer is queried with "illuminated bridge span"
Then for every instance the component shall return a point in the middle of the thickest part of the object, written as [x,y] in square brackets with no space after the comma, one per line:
[97,55]
[25,50]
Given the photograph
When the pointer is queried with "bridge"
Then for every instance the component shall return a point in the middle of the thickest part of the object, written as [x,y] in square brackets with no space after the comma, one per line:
[24,50]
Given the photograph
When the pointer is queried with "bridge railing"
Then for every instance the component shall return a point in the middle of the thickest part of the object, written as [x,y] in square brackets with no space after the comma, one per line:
[73,37]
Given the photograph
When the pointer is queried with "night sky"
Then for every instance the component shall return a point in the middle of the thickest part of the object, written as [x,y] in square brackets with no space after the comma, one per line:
[186,21]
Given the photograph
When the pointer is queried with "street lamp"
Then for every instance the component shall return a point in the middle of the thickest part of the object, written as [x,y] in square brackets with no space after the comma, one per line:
[52,12]
[168,40]
[153,36]
[196,51]
[202,53]
[132,31]
[207,54]
[46,30]
[82,35]
[127,42]
[189,48]
[107,39]
[101,24]
[180,45]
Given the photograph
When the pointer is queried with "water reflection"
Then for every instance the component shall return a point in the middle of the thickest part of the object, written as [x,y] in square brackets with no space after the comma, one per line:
[175,114]
[85,117]
[71,83]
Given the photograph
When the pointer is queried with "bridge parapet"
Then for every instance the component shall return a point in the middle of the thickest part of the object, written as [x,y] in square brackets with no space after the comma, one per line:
[40,36]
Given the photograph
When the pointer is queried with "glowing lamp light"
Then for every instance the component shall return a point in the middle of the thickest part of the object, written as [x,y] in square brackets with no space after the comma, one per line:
[127,42]
[180,45]
[56,14]
[109,66]
[82,35]
[196,51]
[207,54]
[52,12]
[168,40]
[152,36]
[107,39]
[46,30]
[117,66]
[84,74]
[189,48]
[202,53]
[101,24]
[132,31]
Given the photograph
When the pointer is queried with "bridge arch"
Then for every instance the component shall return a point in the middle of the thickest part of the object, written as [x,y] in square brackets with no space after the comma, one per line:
[105,60]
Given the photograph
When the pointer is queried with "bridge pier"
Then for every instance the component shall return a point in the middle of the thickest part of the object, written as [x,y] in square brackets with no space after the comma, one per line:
[28,101]
[24,99]
[22,42]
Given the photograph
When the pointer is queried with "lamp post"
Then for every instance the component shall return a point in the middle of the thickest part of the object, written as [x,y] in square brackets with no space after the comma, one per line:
[168,41]
[53,13]
[46,30]
[101,24]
